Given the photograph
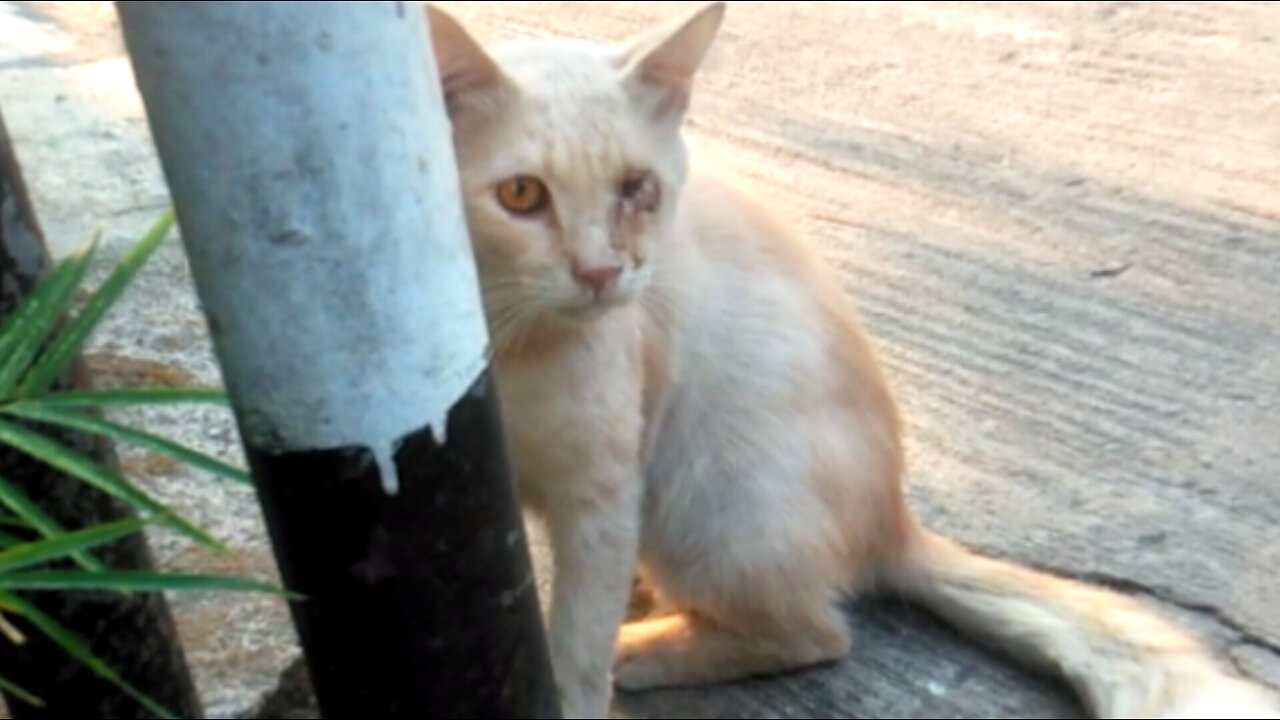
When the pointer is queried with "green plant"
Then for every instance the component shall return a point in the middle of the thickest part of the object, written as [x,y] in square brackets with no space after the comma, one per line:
[38,343]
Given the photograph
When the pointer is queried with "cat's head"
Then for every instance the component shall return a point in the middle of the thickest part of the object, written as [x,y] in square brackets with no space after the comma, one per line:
[571,159]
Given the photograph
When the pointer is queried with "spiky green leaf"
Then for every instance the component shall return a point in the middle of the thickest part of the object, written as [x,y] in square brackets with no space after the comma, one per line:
[16,692]
[59,456]
[66,346]
[130,580]
[28,327]
[8,540]
[129,396]
[34,410]
[77,648]
[55,548]
[22,506]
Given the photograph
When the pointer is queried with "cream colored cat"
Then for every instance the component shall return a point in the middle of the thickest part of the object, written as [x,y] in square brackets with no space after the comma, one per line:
[686,387]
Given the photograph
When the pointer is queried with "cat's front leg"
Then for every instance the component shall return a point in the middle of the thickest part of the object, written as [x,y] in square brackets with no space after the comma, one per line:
[593,538]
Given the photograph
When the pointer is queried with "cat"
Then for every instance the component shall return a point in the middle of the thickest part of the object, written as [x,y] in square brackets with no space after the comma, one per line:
[686,389]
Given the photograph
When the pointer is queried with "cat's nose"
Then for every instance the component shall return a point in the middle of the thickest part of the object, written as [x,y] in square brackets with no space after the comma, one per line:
[597,278]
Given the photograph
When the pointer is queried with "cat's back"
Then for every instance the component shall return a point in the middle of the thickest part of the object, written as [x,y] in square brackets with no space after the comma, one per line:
[731,222]
[763,315]
[774,391]
[752,289]
[744,251]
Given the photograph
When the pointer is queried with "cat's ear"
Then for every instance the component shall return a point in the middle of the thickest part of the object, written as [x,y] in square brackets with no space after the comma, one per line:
[662,62]
[464,66]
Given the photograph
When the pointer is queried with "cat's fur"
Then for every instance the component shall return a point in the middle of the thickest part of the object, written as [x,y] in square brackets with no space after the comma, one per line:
[716,412]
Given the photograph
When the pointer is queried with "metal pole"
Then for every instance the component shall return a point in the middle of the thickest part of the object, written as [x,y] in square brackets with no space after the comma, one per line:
[309,157]
[134,634]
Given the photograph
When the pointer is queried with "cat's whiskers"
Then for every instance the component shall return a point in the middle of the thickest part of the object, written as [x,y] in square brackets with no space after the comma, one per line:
[513,312]
[505,328]
[523,329]
[503,309]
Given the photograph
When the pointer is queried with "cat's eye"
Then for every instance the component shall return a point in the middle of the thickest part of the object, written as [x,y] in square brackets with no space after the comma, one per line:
[632,187]
[639,192]
[523,195]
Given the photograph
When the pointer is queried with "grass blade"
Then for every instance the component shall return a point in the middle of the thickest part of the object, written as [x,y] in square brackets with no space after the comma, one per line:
[29,326]
[129,396]
[12,521]
[58,547]
[63,274]
[7,540]
[77,648]
[130,580]
[59,456]
[34,410]
[23,507]
[11,633]
[63,350]
[16,692]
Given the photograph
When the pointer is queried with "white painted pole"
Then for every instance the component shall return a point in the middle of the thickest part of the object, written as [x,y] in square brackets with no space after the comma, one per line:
[311,163]
[309,157]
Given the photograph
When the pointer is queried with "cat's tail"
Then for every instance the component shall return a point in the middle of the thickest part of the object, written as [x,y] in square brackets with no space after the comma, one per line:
[1123,660]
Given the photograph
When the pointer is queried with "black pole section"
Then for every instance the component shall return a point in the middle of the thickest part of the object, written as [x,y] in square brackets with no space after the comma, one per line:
[134,634]
[309,157]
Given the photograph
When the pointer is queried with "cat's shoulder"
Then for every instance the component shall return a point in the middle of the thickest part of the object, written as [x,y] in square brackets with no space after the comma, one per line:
[731,214]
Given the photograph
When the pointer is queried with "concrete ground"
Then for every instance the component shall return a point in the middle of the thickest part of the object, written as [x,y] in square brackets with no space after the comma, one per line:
[1061,221]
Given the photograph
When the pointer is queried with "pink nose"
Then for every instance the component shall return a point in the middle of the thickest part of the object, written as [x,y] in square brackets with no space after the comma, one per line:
[597,278]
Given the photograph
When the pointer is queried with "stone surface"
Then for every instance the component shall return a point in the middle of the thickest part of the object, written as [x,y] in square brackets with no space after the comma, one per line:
[1059,220]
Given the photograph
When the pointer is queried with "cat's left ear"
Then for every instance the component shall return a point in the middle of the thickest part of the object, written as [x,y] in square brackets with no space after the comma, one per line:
[463,65]
[661,63]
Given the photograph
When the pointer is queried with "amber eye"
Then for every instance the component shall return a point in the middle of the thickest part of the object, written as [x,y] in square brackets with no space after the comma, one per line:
[523,195]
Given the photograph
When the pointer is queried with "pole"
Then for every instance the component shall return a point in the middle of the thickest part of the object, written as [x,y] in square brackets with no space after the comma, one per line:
[134,634]
[309,157]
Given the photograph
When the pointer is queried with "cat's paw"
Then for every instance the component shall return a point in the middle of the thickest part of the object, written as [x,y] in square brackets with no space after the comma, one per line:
[640,662]
[639,672]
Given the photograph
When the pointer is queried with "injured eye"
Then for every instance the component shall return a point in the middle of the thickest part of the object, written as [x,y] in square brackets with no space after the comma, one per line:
[639,192]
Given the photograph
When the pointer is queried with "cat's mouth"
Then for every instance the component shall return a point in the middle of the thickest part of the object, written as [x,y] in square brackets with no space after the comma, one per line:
[586,308]
[586,305]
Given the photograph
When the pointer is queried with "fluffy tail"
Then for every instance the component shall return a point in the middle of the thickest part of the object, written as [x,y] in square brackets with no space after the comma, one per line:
[1123,660]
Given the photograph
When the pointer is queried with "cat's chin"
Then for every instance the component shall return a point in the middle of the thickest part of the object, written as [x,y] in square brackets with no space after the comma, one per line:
[585,312]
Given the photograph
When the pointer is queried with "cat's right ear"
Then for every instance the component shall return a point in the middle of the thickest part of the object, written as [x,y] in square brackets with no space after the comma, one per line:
[664,60]
[463,65]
